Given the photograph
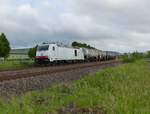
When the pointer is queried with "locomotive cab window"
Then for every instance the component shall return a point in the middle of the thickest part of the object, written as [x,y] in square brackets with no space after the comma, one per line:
[43,48]
[75,52]
[53,48]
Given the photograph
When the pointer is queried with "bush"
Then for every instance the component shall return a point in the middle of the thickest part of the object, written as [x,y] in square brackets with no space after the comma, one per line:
[129,58]
[148,54]
[32,52]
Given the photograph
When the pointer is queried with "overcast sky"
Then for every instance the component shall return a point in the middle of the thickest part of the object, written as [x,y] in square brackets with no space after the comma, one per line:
[119,25]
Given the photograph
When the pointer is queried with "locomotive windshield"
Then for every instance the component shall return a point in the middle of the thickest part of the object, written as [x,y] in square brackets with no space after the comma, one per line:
[43,48]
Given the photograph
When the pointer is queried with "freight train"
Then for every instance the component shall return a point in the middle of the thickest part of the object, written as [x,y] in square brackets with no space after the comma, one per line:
[58,53]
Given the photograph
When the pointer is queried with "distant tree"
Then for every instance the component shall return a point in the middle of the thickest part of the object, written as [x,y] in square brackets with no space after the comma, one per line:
[32,52]
[84,45]
[4,46]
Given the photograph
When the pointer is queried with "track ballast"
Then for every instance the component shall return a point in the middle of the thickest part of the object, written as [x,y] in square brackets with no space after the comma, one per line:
[33,72]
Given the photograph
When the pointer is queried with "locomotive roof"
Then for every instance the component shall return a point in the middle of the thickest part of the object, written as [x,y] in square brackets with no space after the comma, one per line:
[60,45]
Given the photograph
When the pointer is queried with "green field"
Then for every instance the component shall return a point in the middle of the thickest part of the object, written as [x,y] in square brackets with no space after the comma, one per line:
[121,90]
[15,64]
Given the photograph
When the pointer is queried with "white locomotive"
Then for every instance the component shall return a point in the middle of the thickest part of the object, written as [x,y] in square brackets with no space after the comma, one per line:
[53,52]
[56,53]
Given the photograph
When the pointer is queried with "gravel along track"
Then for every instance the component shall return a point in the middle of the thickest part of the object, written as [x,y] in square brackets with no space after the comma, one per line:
[21,81]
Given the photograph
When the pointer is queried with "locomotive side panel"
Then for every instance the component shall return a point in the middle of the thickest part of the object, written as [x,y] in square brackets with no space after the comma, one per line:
[65,53]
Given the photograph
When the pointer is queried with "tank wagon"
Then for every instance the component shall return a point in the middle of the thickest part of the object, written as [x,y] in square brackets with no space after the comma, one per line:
[111,55]
[92,54]
[55,53]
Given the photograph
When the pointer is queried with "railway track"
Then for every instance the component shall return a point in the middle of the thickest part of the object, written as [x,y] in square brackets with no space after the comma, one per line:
[33,72]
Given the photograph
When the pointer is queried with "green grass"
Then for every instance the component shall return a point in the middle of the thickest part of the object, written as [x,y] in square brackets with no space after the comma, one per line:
[121,90]
[15,64]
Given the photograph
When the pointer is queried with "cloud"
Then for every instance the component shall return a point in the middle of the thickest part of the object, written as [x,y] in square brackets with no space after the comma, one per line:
[121,25]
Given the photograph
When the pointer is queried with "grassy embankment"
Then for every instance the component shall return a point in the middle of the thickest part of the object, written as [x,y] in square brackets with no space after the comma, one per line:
[15,64]
[121,90]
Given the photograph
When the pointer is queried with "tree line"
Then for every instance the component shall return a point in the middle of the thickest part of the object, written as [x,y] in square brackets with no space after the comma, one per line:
[5,48]
[82,45]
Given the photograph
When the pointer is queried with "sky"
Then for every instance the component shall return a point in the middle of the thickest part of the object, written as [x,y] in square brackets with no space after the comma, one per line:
[117,25]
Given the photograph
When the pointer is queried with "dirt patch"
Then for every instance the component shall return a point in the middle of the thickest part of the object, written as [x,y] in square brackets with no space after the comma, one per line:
[73,109]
